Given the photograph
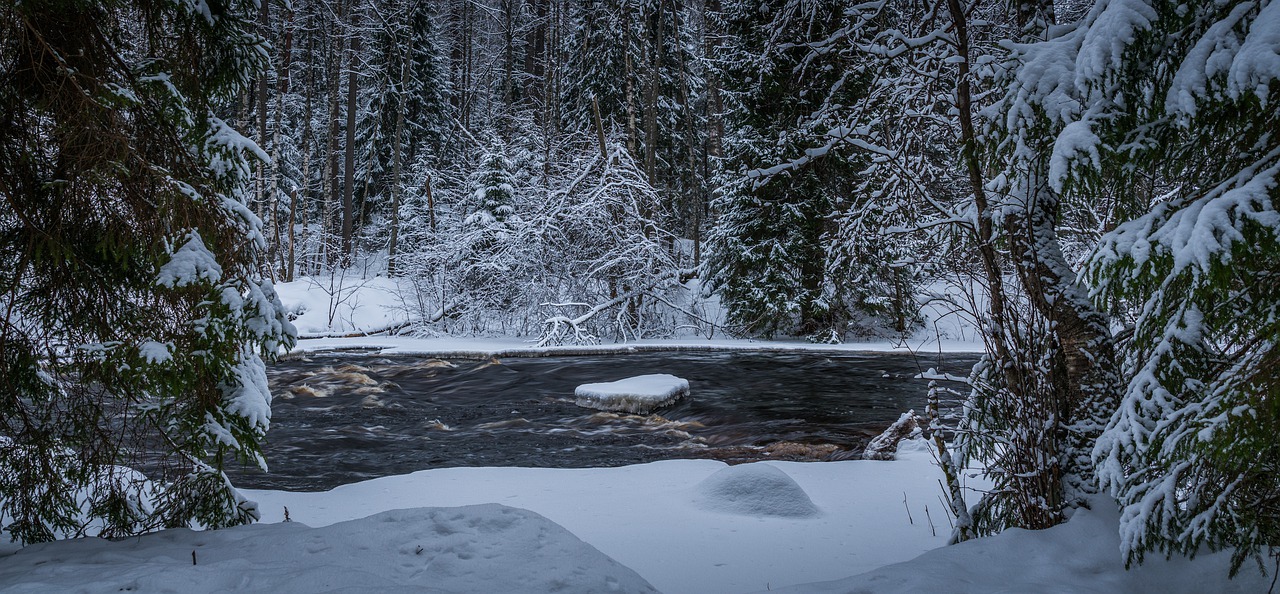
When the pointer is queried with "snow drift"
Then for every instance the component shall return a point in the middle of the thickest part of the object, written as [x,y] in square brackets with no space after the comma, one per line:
[478,548]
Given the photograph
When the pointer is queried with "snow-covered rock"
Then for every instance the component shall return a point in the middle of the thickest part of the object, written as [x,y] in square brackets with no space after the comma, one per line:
[641,394]
[479,548]
[755,489]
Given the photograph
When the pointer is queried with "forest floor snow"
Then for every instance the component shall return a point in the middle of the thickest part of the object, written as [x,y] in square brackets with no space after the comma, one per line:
[331,311]
[683,526]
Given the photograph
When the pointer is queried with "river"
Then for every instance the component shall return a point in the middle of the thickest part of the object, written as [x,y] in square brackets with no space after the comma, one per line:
[341,418]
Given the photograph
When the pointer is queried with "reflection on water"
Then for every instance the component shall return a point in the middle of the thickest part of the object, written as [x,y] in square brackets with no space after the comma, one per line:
[344,418]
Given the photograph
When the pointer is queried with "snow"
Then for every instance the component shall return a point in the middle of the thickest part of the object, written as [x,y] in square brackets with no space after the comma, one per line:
[640,394]
[1079,556]
[343,303]
[154,352]
[190,263]
[684,526]
[248,396]
[654,518]
[756,489]
[480,548]
[1211,55]
[1076,141]
[885,445]
[1113,26]
[483,348]
[1257,64]
[330,312]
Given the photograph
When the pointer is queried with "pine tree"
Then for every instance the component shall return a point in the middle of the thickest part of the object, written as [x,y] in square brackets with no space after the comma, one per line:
[768,247]
[1173,115]
[493,190]
[632,61]
[136,317]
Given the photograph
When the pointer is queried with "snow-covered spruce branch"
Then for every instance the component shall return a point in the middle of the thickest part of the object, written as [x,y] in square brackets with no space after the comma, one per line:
[559,326]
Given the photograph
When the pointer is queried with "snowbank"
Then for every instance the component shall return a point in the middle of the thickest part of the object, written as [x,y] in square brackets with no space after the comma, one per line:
[481,548]
[330,312]
[655,519]
[486,348]
[685,526]
[639,395]
[343,304]
[1082,555]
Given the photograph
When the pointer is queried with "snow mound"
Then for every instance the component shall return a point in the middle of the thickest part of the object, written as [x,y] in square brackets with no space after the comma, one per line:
[755,489]
[641,394]
[479,548]
[1082,555]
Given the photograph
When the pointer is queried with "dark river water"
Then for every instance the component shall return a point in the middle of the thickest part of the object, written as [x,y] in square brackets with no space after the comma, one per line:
[339,418]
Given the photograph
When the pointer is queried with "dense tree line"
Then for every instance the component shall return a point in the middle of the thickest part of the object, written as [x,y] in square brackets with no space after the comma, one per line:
[380,116]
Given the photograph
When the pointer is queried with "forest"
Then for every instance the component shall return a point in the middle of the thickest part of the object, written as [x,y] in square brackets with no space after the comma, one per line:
[1094,183]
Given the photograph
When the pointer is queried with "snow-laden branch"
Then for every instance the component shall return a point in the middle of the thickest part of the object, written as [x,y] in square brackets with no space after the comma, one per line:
[559,326]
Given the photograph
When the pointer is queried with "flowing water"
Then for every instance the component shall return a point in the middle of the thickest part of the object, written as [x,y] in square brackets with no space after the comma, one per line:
[342,418]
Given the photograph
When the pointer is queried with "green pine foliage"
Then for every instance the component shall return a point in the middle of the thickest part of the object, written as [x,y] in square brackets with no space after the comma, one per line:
[135,320]
[408,95]
[634,60]
[493,189]
[1169,114]
[1192,453]
[768,249]
[604,59]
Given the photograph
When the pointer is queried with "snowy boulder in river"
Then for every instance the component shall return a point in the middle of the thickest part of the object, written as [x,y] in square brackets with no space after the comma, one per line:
[641,394]
[756,489]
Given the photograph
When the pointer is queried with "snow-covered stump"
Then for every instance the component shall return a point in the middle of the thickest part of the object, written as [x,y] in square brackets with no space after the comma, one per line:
[640,395]
[885,445]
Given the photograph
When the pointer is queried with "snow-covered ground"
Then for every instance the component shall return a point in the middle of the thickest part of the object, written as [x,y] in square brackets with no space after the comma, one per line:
[680,526]
[328,310]
[683,526]
[343,303]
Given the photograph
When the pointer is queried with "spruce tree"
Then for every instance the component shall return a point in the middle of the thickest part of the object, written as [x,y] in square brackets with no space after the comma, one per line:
[136,316]
[768,248]
[1177,123]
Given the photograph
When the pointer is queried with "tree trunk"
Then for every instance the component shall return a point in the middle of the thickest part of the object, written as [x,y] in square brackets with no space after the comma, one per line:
[628,75]
[264,26]
[595,110]
[1085,374]
[508,53]
[653,33]
[535,56]
[714,121]
[397,159]
[693,194]
[331,187]
[282,87]
[293,210]
[1037,501]
[431,205]
[349,160]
